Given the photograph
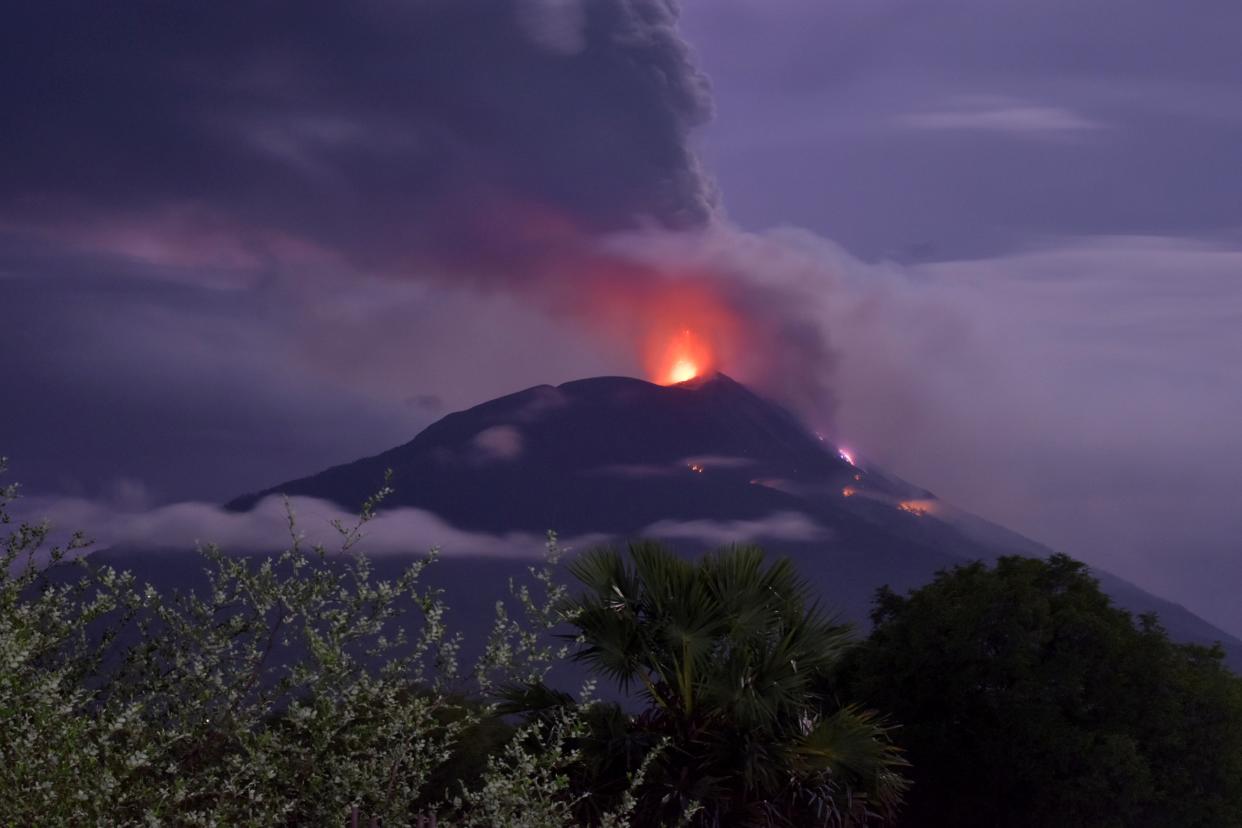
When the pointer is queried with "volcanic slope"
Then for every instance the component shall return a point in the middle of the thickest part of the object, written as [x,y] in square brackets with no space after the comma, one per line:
[699,463]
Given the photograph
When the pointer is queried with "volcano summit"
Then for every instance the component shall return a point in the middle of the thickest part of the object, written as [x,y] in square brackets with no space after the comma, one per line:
[700,463]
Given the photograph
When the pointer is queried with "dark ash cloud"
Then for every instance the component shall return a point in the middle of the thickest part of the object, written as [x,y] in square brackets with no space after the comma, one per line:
[292,154]
[218,221]
[389,132]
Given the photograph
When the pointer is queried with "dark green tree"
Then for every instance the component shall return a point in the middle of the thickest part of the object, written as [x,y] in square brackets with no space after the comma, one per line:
[1026,698]
[730,660]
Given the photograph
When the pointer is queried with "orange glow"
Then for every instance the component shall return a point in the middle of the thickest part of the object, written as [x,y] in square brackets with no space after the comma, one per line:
[848,491]
[917,507]
[685,357]
[686,330]
[682,370]
[696,468]
[682,322]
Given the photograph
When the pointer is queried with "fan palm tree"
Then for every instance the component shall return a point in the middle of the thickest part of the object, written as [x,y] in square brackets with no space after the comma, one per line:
[731,660]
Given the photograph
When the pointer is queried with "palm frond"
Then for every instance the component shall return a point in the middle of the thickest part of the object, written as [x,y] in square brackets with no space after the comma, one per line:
[734,657]
[854,745]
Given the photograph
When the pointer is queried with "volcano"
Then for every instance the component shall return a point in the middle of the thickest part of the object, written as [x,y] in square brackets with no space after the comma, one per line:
[699,463]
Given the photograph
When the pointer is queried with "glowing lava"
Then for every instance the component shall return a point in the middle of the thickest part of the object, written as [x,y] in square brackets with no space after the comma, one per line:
[847,456]
[684,357]
[682,370]
[919,508]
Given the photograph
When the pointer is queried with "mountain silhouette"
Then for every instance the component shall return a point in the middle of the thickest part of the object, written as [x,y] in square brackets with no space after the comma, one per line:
[698,463]
[610,454]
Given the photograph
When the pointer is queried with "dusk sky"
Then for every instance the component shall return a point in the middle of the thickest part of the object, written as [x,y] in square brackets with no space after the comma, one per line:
[994,247]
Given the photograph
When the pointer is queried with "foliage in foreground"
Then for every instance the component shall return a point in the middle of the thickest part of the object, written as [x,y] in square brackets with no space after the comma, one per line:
[732,662]
[296,686]
[290,689]
[1028,699]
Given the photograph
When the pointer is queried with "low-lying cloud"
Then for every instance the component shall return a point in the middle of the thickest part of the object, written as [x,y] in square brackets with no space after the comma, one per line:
[182,527]
[786,526]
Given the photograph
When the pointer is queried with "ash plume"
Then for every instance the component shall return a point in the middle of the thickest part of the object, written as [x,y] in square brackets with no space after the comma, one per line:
[492,146]
[392,133]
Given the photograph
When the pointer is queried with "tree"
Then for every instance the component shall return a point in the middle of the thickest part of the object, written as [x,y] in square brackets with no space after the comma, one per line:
[1028,699]
[730,660]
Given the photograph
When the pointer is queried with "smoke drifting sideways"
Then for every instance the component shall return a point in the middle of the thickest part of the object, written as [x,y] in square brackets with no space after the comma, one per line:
[539,150]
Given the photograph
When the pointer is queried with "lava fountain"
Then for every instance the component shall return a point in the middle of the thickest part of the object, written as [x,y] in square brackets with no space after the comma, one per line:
[680,359]
[682,323]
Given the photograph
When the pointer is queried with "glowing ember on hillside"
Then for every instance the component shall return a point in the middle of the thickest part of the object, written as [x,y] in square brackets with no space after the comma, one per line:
[917,507]
[847,456]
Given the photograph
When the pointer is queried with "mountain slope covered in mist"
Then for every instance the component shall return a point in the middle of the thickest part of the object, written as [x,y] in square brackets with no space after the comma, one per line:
[700,463]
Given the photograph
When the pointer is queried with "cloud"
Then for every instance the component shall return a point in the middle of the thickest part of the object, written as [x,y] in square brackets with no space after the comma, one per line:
[1001,115]
[184,526]
[1082,392]
[497,444]
[389,134]
[546,398]
[810,100]
[246,200]
[791,526]
[237,223]
[558,25]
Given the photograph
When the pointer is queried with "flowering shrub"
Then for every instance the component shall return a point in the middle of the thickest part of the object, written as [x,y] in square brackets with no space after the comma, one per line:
[291,689]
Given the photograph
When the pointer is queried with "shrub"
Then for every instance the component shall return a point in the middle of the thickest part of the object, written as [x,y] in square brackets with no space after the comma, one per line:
[290,689]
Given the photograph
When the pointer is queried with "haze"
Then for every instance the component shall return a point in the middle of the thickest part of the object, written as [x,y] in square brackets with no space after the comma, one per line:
[994,247]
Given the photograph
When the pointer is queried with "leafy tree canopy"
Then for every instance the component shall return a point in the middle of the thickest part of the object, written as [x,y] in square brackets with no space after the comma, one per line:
[1026,698]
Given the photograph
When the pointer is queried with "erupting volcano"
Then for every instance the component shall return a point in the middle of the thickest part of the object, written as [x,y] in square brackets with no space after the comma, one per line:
[699,463]
[684,358]
[682,371]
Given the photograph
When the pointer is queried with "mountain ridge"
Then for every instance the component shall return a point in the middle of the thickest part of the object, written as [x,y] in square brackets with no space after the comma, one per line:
[621,457]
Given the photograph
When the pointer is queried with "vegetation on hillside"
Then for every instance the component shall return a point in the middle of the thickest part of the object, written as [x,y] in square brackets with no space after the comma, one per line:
[1028,699]
[294,687]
